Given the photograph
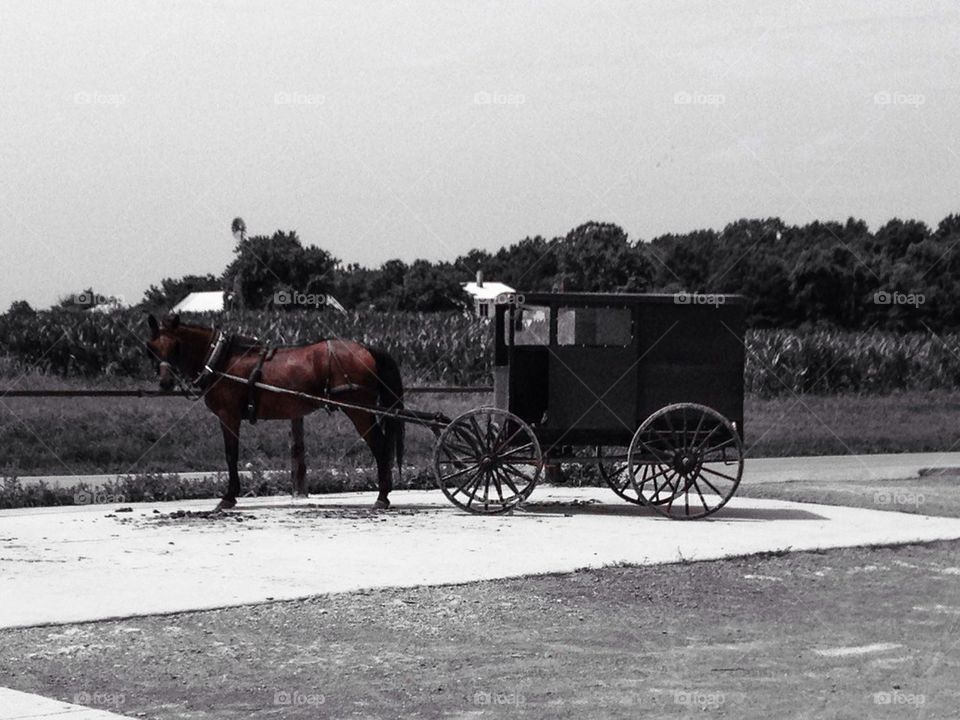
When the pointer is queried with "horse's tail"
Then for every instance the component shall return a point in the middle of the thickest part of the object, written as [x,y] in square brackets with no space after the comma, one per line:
[390,397]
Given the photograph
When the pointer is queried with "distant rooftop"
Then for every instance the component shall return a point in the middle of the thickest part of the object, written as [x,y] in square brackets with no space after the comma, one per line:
[490,290]
[200,302]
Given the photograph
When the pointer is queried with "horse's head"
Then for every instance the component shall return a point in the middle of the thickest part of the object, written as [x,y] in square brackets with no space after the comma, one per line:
[163,348]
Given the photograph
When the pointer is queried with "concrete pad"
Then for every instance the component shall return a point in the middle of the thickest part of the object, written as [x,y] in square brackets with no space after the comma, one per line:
[69,564]
[16,705]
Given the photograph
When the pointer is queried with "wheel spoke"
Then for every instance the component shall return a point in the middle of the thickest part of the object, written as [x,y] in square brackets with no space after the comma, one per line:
[723,475]
[710,485]
[470,482]
[512,453]
[728,441]
[509,483]
[702,501]
[513,471]
[451,476]
[497,484]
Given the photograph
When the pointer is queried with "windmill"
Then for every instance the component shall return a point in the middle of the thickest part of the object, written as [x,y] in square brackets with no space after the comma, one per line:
[239,229]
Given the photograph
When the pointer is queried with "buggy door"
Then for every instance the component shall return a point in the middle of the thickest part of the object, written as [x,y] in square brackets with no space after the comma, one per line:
[593,373]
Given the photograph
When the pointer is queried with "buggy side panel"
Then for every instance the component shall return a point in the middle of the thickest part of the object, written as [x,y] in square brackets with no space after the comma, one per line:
[691,353]
[594,389]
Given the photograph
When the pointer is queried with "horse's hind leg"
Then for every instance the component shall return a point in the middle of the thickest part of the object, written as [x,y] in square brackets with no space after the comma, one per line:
[298,463]
[370,431]
[231,445]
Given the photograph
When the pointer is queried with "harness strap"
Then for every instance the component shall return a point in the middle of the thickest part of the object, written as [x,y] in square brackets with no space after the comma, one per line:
[252,396]
[220,342]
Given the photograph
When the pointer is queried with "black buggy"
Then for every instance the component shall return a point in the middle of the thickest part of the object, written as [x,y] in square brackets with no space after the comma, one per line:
[647,388]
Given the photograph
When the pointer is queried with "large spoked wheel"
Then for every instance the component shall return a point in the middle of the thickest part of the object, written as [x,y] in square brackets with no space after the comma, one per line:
[487,461]
[686,461]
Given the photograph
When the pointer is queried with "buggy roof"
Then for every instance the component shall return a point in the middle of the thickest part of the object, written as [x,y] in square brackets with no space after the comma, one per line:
[556,298]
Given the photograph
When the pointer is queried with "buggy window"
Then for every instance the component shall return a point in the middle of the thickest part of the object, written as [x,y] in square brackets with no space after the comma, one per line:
[594,326]
[531,325]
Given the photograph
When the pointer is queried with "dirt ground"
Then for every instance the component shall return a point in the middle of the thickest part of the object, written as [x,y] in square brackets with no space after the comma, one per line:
[839,634]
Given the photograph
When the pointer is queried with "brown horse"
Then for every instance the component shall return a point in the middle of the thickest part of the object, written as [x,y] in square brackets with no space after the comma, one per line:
[341,370]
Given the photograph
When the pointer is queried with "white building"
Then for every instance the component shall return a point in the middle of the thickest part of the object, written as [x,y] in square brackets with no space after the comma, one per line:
[485,294]
[200,302]
[211,301]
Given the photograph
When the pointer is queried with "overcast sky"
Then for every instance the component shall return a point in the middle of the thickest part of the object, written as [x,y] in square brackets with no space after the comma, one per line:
[132,133]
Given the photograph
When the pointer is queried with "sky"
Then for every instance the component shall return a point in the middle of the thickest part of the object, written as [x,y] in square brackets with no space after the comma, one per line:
[131,134]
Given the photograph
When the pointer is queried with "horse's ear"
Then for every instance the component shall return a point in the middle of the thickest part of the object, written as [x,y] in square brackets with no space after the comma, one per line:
[171,322]
[154,326]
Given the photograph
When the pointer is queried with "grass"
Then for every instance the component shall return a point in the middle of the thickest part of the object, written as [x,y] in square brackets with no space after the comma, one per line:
[149,438]
[932,494]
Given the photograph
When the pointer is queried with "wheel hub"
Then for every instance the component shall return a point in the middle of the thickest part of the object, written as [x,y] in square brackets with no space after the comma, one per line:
[685,462]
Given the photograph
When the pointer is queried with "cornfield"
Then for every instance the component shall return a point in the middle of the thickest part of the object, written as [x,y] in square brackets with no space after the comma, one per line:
[456,348]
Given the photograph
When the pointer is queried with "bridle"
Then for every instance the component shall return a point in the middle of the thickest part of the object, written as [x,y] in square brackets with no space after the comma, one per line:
[194,389]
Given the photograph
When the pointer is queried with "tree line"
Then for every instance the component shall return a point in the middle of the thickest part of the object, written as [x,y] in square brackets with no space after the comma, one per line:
[902,276]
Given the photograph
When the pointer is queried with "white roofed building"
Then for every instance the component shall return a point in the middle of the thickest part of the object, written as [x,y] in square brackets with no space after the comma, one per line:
[485,294]
[201,302]
[210,301]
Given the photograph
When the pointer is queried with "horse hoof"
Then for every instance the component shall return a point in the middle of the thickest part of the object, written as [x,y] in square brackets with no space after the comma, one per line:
[381,504]
[225,504]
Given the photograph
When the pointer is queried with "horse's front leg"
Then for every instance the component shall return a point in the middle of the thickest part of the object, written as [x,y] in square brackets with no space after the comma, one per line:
[298,463]
[230,426]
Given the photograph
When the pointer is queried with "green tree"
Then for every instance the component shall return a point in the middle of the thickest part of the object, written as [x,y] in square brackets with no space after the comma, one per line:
[268,265]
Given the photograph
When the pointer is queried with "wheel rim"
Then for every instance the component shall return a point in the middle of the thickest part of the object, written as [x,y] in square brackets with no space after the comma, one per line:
[686,460]
[487,461]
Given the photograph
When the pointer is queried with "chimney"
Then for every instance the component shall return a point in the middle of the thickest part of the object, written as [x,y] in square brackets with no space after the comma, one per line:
[479,278]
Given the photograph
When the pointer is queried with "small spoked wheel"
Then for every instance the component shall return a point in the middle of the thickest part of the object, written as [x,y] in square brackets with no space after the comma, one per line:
[487,461]
[686,461]
[615,470]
